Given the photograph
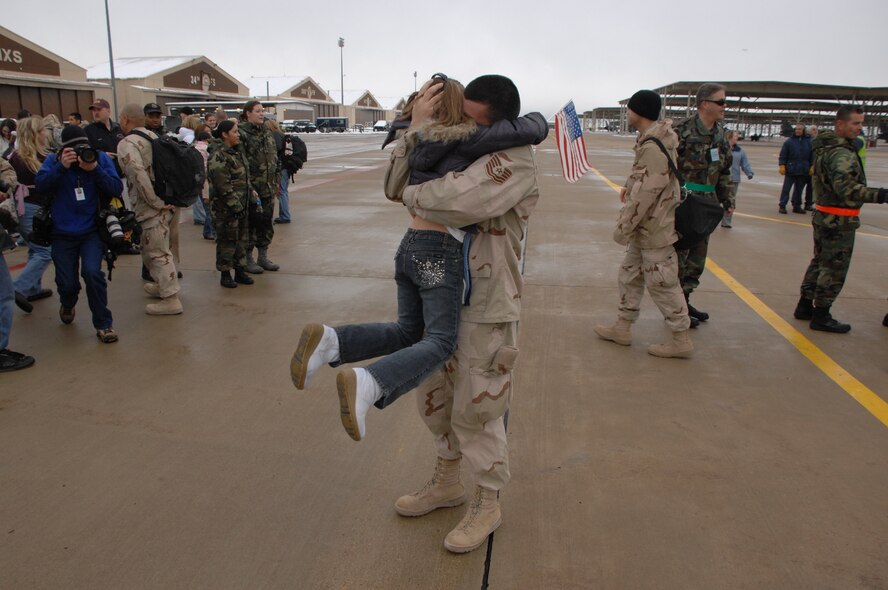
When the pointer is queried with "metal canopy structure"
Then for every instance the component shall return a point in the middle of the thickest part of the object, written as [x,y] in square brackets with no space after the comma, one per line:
[761,106]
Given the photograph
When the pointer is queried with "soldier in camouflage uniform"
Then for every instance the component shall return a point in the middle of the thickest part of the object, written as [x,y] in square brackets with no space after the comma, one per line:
[704,159]
[258,146]
[229,197]
[839,192]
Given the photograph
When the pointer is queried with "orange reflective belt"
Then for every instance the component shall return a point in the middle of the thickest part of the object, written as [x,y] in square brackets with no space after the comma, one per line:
[837,211]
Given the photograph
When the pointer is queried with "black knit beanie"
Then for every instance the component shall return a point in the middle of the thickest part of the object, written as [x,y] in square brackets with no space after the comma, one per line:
[646,103]
[72,134]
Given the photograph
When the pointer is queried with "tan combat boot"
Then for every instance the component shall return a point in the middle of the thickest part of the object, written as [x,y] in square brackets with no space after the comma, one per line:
[620,332]
[482,518]
[679,346]
[152,289]
[442,491]
[166,306]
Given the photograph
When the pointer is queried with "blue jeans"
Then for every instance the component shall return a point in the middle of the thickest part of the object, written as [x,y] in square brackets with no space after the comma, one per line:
[7,296]
[284,197]
[199,212]
[428,272]
[39,257]
[82,254]
[796,182]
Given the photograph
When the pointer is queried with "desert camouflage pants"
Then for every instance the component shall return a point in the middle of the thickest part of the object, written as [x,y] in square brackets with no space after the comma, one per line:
[174,234]
[463,404]
[157,256]
[261,227]
[826,273]
[691,264]
[231,242]
[657,270]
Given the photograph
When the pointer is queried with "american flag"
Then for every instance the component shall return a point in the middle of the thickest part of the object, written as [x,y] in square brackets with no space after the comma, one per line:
[571,146]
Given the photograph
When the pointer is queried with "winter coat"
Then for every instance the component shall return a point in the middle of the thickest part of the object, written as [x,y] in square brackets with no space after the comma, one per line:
[452,149]
[797,154]
[26,177]
[497,193]
[229,176]
[71,217]
[647,219]
[740,162]
[136,158]
[839,181]
[695,144]
[185,134]
[203,148]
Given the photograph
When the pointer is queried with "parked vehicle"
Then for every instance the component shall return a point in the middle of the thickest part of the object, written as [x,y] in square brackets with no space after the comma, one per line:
[381,125]
[330,124]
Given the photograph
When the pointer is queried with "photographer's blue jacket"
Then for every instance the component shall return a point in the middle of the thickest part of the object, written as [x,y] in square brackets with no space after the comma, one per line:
[71,217]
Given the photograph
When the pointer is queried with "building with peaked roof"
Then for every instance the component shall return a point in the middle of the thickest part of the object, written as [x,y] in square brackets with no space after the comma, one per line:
[171,79]
[363,108]
[310,100]
[40,81]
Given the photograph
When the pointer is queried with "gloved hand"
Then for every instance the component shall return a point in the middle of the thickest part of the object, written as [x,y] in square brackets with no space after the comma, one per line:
[883,195]
[782,169]
[750,176]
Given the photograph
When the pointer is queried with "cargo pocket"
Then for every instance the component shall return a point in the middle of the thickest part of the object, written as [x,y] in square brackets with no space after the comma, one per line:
[480,287]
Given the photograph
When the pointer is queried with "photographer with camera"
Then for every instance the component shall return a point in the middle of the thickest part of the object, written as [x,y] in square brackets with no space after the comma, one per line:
[154,215]
[73,179]
[9,360]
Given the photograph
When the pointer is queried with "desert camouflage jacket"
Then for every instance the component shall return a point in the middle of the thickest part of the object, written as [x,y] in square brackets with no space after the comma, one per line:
[839,180]
[135,156]
[647,219]
[695,145]
[497,193]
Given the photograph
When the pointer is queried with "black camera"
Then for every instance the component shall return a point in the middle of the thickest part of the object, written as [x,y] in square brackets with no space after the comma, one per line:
[116,222]
[86,154]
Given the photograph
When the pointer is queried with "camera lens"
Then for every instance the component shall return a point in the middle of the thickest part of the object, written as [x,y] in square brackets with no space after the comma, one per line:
[86,154]
[114,229]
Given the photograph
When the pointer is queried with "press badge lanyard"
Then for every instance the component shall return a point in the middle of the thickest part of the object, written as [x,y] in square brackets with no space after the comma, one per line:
[79,194]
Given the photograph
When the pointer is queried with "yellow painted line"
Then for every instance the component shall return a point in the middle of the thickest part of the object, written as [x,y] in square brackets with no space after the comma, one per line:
[860,392]
[859,233]
[866,397]
[610,183]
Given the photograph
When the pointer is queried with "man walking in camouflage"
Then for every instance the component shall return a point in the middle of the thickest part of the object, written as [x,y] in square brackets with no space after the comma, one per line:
[260,150]
[646,227]
[839,192]
[704,160]
[229,198]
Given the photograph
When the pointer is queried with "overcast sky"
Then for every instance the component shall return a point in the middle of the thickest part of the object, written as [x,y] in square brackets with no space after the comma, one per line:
[594,52]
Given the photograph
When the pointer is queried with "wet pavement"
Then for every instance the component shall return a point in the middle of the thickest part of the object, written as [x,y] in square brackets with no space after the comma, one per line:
[182,457]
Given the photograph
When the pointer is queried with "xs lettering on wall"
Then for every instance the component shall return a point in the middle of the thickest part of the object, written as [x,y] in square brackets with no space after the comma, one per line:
[15,57]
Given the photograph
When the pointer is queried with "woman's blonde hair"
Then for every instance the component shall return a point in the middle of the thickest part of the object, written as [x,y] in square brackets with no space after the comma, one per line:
[450,110]
[191,122]
[272,125]
[32,146]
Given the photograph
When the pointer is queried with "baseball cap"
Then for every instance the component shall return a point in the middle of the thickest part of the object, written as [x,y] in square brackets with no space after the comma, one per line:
[100,103]
[152,107]
[186,111]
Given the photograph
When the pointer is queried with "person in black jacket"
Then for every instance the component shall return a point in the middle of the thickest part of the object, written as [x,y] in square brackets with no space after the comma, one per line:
[796,158]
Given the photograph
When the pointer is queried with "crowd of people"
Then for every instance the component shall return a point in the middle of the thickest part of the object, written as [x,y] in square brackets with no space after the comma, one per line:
[70,187]
[464,167]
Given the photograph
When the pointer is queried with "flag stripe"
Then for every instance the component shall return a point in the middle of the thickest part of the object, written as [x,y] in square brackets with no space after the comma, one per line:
[571,146]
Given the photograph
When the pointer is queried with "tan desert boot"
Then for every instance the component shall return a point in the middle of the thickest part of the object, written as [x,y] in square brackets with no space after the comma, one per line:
[166,306]
[482,518]
[620,332]
[152,289]
[679,346]
[442,491]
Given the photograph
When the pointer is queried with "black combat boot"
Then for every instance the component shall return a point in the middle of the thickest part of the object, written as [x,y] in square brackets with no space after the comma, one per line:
[804,309]
[226,280]
[694,322]
[146,276]
[242,277]
[823,321]
[885,320]
[695,313]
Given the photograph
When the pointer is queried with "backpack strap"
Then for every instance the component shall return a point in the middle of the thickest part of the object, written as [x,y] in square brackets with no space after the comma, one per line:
[672,167]
[140,134]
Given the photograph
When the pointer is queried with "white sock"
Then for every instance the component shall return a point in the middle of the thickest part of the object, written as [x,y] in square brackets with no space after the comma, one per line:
[326,352]
[368,392]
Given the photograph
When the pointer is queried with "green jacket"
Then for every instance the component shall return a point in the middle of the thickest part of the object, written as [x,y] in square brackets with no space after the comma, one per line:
[695,142]
[258,146]
[839,180]
[229,182]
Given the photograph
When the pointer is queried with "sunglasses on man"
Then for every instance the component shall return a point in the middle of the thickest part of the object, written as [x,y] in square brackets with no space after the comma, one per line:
[720,103]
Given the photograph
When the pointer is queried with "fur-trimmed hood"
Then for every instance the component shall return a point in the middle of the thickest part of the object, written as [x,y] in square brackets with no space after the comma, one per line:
[434,131]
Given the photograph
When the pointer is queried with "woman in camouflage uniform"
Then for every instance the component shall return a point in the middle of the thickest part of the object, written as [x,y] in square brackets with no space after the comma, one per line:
[229,194]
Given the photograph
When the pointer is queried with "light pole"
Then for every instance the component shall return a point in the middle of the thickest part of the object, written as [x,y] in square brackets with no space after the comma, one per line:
[414,81]
[111,61]
[341,73]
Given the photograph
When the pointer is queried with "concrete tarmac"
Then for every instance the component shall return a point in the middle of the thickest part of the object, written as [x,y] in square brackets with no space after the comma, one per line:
[182,456]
